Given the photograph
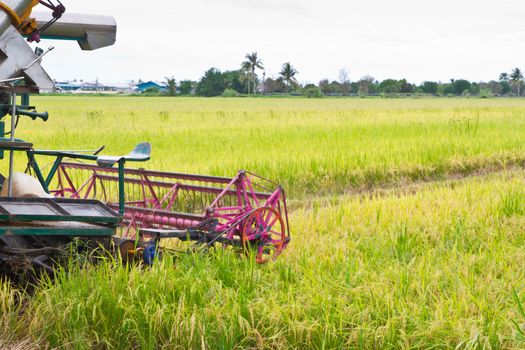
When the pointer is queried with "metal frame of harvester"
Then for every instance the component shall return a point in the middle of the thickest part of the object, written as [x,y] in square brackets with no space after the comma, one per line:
[246,211]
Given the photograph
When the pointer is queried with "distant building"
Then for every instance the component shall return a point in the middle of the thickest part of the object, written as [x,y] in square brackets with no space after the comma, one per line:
[141,87]
[85,87]
[67,86]
[82,87]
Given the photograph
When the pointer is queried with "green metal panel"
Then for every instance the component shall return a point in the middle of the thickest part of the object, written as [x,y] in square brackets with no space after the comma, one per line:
[25,100]
[38,173]
[57,210]
[55,231]
[52,172]
[121,187]
[56,218]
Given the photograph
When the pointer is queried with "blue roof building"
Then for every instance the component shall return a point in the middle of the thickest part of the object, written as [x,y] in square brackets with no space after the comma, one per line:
[150,85]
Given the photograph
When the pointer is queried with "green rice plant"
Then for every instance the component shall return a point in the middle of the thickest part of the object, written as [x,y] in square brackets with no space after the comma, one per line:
[512,202]
[465,126]
[12,332]
[403,244]
[520,329]
[164,116]
[94,116]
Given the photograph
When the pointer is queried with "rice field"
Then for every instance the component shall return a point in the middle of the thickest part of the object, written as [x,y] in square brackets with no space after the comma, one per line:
[408,220]
[311,146]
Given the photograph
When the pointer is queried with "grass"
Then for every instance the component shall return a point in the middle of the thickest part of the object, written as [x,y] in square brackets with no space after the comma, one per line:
[421,273]
[311,146]
[421,265]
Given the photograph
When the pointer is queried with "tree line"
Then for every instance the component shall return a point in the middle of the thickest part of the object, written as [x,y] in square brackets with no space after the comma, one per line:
[251,79]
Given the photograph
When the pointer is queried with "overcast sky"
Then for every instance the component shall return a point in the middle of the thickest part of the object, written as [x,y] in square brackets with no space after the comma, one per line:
[414,39]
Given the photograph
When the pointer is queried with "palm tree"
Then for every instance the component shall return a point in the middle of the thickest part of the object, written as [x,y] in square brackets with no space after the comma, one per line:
[516,77]
[504,77]
[171,83]
[288,74]
[252,62]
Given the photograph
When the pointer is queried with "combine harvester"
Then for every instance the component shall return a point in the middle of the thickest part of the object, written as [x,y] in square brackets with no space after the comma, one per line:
[93,198]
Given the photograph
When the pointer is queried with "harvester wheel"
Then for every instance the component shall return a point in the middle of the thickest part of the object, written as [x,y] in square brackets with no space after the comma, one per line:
[263,233]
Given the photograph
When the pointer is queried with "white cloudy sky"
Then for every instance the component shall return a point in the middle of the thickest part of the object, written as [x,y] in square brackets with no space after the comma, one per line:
[413,39]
